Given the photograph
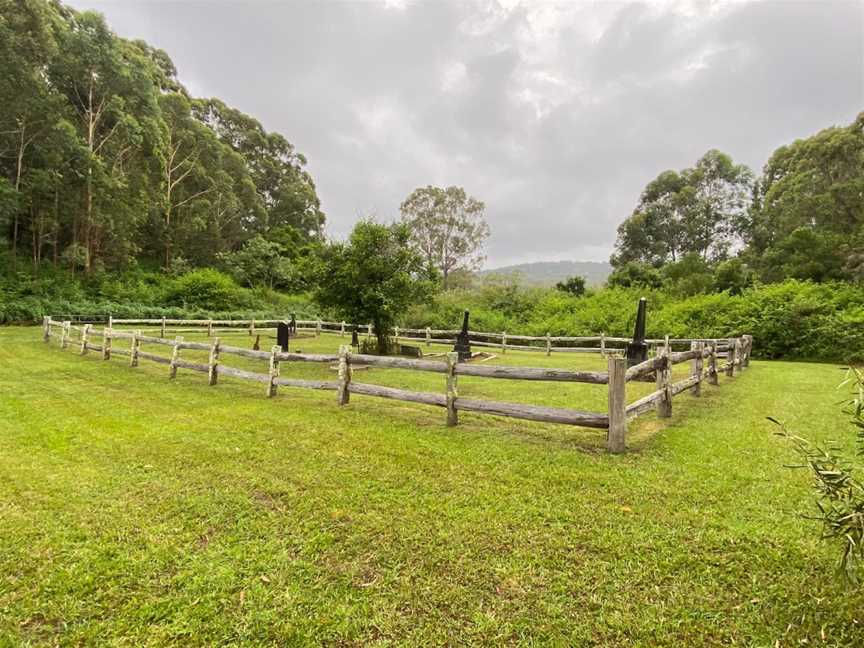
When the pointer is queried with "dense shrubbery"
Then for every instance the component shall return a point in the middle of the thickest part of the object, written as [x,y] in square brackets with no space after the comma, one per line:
[196,294]
[792,319]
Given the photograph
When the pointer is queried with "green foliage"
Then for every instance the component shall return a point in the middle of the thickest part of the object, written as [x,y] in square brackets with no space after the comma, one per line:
[108,161]
[261,263]
[204,288]
[373,277]
[635,274]
[572,285]
[840,492]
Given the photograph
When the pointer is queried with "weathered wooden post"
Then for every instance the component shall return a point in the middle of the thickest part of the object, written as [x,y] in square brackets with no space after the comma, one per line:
[110,321]
[209,327]
[342,329]
[664,378]
[452,388]
[162,330]
[730,358]
[274,371]
[428,336]
[133,349]
[396,334]
[251,327]
[106,343]
[175,355]
[696,367]
[213,362]
[712,365]
[504,342]
[46,328]
[343,394]
[64,334]
[85,335]
[318,328]
[637,349]
[602,344]
[616,437]
[748,347]
[739,353]
[369,331]
[548,344]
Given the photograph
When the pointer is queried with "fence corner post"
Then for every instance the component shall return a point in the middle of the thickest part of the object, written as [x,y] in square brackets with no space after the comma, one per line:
[452,389]
[213,363]
[64,335]
[616,437]
[274,370]
[731,359]
[343,394]
[664,378]
[175,355]
[46,328]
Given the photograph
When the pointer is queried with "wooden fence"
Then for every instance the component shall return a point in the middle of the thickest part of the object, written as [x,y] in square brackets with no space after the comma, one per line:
[705,364]
[501,341]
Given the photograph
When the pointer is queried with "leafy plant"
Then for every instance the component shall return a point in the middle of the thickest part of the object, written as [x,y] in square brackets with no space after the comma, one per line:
[840,492]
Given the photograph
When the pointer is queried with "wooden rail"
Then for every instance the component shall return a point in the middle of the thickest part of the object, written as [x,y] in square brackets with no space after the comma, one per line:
[735,352]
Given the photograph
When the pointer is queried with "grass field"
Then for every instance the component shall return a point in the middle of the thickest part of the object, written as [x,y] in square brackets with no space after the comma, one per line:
[135,510]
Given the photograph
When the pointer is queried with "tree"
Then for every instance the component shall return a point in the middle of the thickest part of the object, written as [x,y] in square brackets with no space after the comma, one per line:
[695,211]
[573,285]
[260,263]
[374,276]
[448,228]
[636,275]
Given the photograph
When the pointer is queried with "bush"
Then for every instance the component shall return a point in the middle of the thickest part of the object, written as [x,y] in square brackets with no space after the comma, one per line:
[205,288]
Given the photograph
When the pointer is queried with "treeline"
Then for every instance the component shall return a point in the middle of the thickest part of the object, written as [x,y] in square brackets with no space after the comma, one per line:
[106,160]
[790,319]
[718,226]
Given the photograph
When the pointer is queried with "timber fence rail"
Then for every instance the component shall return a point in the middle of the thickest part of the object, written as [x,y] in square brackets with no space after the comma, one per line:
[502,341]
[704,357]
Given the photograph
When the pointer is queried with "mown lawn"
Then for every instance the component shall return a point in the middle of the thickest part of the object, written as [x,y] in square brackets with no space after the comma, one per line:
[135,510]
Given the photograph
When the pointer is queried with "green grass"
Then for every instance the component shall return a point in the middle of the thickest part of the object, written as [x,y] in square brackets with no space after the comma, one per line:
[135,510]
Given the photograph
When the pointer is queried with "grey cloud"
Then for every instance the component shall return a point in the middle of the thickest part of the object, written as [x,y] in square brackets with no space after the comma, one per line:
[555,117]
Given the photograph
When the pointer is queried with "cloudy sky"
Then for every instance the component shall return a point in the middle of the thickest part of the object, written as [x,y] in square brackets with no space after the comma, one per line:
[555,115]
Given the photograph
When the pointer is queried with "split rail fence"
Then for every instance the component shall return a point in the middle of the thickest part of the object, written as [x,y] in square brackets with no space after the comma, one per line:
[707,360]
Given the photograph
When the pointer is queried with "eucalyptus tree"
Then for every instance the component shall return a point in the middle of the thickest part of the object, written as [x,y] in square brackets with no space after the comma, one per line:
[448,228]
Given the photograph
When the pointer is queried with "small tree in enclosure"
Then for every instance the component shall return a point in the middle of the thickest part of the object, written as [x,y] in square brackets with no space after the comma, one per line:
[447,227]
[373,277]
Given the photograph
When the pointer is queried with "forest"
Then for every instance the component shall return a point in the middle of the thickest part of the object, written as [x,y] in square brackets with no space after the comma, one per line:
[121,193]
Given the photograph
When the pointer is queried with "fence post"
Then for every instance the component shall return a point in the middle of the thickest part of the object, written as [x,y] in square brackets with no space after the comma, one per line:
[428,336]
[664,377]
[162,330]
[64,335]
[209,327]
[748,347]
[342,329]
[46,328]
[213,362]
[548,344]
[452,391]
[602,344]
[251,327]
[133,350]
[318,328]
[730,358]
[175,355]
[110,321]
[615,439]
[106,343]
[85,335]
[343,394]
[396,330]
[274,370]
[696,367]
[369,331]
[712,365]
[504,342]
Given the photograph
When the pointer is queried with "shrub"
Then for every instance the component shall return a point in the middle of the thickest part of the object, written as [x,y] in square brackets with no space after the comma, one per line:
[205,288]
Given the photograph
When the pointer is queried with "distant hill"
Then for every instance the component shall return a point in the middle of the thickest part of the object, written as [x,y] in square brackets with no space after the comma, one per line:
[547,273]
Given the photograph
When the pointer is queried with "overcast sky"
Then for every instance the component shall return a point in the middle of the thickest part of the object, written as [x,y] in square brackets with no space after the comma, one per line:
[556,116]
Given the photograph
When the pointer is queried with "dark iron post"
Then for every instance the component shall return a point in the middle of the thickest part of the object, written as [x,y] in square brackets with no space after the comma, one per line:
[463,342]
[292,325]
[283,333]
[355,341]
[637,350]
